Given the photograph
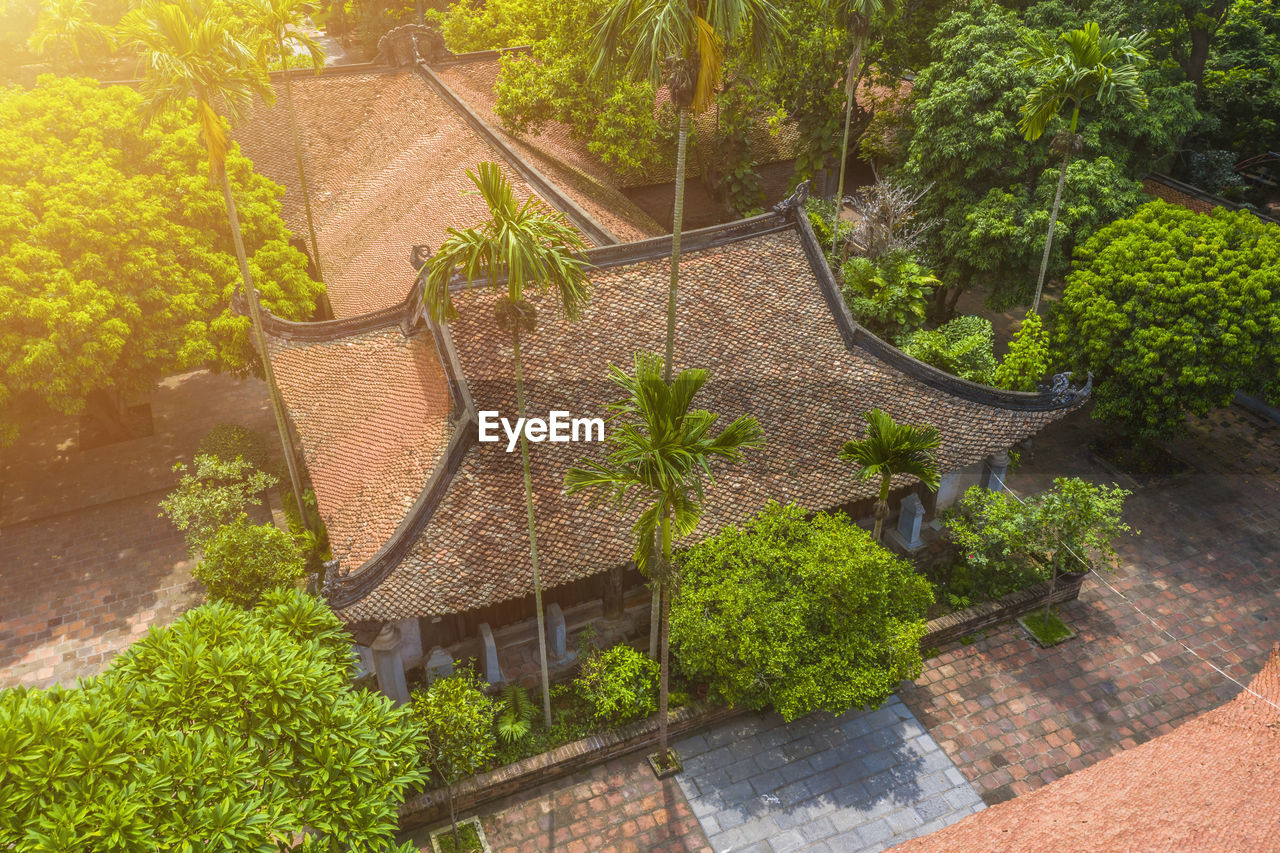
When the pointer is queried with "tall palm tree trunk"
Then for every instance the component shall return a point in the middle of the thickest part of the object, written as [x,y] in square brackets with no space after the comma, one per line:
[302,172]
[882,509]
[255,317]
[664,616]
[850,85]
[1053,223]
[533,534]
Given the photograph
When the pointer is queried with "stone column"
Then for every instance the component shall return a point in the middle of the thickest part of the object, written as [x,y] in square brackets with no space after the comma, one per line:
[489,655]
[950,488]
[994,471]
[907,534]
[557,635]
[388,665]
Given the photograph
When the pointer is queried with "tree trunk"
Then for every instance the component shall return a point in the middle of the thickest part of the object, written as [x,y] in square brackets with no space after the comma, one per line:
[677,223]
[655,612]
[453,818]
[1053,222]
[302,176]
[850,87]
[1048,599]
[882,509]
[612,599]
[109,411]
[255,317]
[664,616]
[533,535]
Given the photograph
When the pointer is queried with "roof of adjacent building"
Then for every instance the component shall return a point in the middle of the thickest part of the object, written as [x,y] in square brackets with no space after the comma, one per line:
[386,169]
[771,329]
[1210,786]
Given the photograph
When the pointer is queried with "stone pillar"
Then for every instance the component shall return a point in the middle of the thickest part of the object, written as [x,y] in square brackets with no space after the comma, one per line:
[410,641]
[950,488]
[557,635]
[388,666]
[489,655]
[994,471]
[907,534]
[439,665]
[612,593]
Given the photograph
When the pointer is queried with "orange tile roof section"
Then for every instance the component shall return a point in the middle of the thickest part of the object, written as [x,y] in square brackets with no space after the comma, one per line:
[387,161]
[1210,786]
[372,410]
[753,313]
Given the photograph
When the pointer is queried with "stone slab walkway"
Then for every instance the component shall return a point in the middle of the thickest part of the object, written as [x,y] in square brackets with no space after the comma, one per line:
[1205,567]
[617,807]
[862,781]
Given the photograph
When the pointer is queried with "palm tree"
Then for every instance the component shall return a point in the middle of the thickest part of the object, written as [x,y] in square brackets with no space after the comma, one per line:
[859,13]
[1078,65]
[522,246]
[681,43]
[66,31]
[275,22]
[659,459]
[189,54]
[890,449]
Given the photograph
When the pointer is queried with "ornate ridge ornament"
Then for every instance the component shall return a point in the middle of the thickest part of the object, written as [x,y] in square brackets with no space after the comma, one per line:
[795,201]
[1059,385]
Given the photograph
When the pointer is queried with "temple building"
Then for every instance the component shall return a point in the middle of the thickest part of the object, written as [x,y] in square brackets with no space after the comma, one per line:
[426,523]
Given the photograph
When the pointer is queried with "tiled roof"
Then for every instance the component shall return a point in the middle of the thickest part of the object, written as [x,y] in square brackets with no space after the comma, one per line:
[387,161]
[373,412]
[1209,786]
[752,312]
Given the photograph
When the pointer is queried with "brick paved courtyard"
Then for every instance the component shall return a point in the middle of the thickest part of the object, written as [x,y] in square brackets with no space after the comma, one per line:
[1205,567]
[86,564]
[857,783]
[617,807]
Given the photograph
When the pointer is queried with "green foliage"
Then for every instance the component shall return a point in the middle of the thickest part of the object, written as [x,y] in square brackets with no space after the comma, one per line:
[1027,361]
[799,613]
[889,296]
[1006,541]
[516,713]
[116,265]
[228,441]
[243,561]
[1242,81]
[230,730]
[1049,632]
[1173,311]
[456,718]
[474,25]
[620,684]
[963,347]
[214,494]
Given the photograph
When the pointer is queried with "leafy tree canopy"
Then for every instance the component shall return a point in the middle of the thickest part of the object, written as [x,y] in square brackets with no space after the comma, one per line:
[116,264]
[799,613]
[231,730]
[244,561]
[1173,311]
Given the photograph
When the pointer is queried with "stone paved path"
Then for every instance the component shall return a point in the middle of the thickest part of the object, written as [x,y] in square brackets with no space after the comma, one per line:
[1206,567]
[863,781]
[86,564]
[618,807]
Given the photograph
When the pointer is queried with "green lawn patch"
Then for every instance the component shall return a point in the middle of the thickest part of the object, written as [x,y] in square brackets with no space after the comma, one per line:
[1048,632]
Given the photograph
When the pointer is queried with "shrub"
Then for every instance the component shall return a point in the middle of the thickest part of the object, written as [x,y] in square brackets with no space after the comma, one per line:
[620,684]
[215,494]
[229,730]
[964,347]
[515,714]
[1027,361]
[798,613]
[229,441]
[889,296]
[244,561]
[994,534]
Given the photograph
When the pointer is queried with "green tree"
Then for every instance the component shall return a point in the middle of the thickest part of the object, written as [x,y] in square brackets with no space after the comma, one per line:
[221,732]
[190,55]
[963,347]
[890,449]
[1242,81]
[889,296]
[1027,361]
[276,24]
[660,458]
[1080,65]
[116,267]
[798,612]
[1173,311]
[457,721]
[68,35]
[523,247]
[243,561]
[215,493]
[619,683]
[680,43]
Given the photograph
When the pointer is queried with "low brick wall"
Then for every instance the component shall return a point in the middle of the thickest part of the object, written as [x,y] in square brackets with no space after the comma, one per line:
[953,626]
[432,806]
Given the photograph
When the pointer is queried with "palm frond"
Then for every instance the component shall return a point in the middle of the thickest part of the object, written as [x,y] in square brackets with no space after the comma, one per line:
[890,448]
